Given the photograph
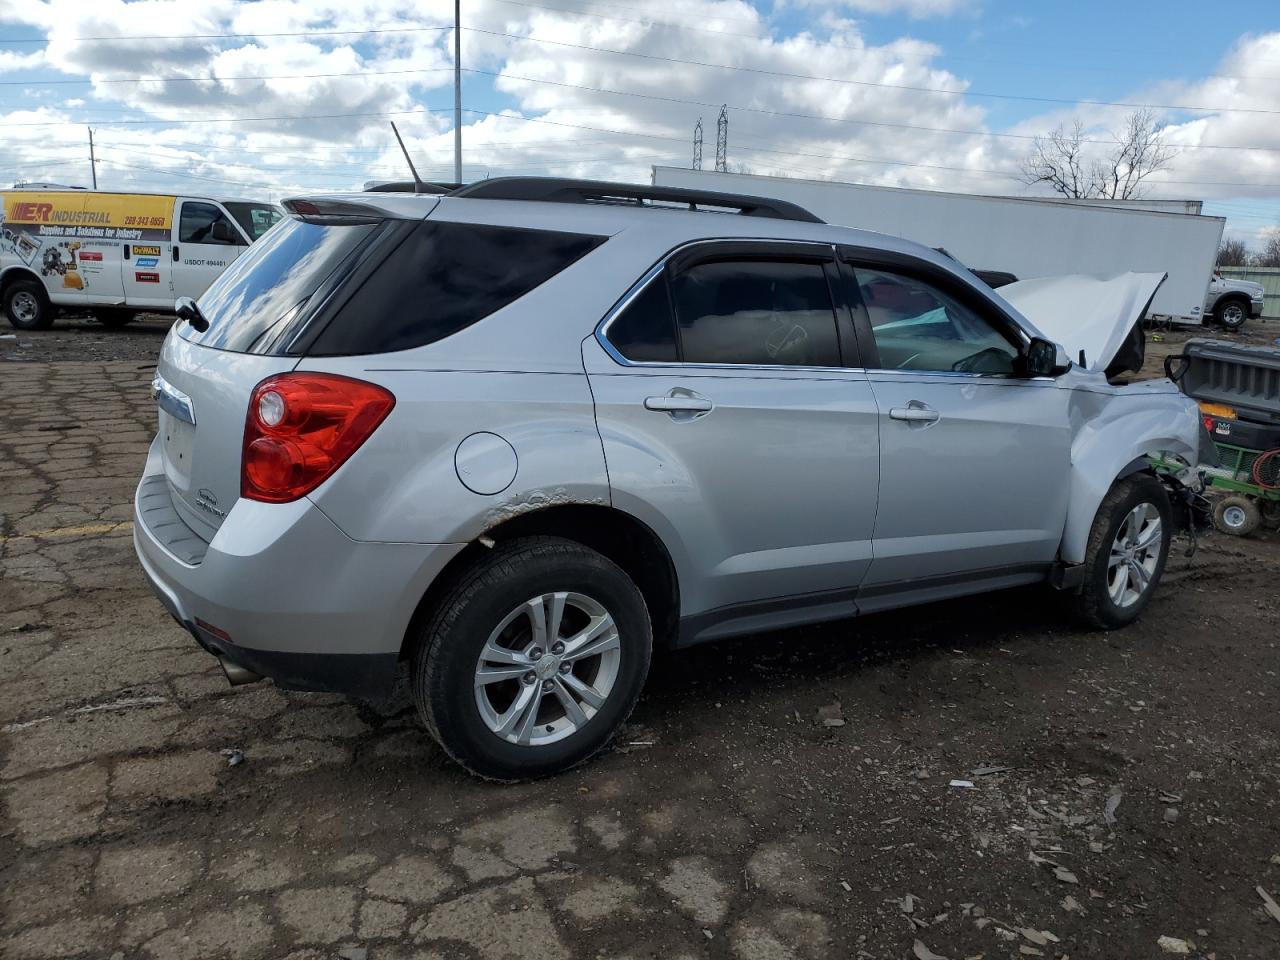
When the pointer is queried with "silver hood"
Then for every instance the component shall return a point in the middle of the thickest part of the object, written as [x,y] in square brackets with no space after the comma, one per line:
[1093,314]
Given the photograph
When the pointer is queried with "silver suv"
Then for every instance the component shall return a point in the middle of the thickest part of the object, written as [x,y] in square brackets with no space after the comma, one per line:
[512,437]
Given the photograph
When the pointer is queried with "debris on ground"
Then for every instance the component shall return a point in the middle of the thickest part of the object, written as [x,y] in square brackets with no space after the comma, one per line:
[1071,904]
[1269,904]
[988,771]
[831,715]
[1065,875]
[234,757]
[1171,815]
[1174,945]
[964,784]
[353,953]
[1109,811]
[924,953]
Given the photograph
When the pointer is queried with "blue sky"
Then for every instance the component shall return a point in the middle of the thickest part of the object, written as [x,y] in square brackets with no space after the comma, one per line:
[539,100]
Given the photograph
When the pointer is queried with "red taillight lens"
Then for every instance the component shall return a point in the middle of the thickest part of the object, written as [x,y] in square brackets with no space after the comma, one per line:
[303,426]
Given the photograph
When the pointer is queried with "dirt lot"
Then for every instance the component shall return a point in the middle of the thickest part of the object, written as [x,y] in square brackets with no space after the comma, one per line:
[729,823]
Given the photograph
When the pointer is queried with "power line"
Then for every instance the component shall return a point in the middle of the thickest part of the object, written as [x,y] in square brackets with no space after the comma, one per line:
[624,93]
[176,121]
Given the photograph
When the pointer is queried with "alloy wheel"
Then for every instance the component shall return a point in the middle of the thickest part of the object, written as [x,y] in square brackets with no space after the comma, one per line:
[1135,552]
[547,668]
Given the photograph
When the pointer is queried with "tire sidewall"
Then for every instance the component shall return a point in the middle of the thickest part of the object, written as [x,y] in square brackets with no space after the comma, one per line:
[1148,491]
[447,688]
[45,315]
[1219,314]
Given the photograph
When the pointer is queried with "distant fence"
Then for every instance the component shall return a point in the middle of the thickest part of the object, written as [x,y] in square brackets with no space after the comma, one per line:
[1269,277]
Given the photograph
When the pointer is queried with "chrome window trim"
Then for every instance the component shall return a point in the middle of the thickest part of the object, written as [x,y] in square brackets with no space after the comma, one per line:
[602,328]
[637,288]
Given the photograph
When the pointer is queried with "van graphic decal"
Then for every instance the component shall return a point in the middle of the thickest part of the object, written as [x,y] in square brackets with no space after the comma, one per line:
[148,251]
[142,276]
[147,261]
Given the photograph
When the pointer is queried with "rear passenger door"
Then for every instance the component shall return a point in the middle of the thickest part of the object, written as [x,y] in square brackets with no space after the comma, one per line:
[974,455]
[734,426]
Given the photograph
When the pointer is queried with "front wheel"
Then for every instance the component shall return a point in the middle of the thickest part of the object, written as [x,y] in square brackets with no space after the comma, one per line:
[1237,516]
[27,306]
[1126,553]
[534,659]
[1231,314]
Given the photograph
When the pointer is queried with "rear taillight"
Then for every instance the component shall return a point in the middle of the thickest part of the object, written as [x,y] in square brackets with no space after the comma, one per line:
[303,426]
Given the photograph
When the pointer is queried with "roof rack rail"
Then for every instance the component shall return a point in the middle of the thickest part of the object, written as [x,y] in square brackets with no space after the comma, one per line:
[407,186]
[556,190]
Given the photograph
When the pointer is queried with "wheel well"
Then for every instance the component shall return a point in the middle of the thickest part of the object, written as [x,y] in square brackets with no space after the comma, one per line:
[1235,297]
[622,538]
[17,273]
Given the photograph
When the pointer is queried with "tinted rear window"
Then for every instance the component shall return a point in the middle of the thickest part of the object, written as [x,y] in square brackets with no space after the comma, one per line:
[443,278]
[265,287]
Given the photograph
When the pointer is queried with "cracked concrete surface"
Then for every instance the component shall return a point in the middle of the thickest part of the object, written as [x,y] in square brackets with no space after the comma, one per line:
[732,826]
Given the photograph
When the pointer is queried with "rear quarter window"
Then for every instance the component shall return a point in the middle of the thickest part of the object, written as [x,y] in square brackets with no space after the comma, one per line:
[443,278]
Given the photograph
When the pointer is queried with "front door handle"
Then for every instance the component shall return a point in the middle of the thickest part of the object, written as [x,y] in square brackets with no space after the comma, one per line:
[914,412]
[678,404]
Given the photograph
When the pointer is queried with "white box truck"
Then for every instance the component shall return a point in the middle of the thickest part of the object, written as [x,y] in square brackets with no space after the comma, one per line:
[115,254]
[1028,238]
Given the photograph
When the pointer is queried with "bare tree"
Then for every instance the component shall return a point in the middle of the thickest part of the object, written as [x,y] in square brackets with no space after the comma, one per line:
[1062,160]
[1058,160]
[1270,255]
[1233,253]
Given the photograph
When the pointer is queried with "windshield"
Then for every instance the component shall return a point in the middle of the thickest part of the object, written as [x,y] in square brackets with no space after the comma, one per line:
[255,218]
[265,288]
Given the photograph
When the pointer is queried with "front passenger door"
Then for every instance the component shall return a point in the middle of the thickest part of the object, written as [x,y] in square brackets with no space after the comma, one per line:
[974,456]
[207,242]
[732,427]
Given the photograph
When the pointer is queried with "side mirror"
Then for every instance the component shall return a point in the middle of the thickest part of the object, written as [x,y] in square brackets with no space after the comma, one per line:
[222,232]
[1044,358]
[187,310]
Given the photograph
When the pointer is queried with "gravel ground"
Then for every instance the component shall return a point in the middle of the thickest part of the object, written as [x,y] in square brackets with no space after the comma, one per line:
[1125,785]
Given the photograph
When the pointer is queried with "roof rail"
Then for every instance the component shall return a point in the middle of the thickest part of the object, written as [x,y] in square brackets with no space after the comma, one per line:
[556,190]
[406,186]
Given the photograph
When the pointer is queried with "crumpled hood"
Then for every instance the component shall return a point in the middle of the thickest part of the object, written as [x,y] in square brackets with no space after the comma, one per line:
[1089,313]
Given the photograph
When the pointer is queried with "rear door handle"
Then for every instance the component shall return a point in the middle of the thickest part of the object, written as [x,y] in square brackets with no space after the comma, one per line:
[914,413]
[678,404]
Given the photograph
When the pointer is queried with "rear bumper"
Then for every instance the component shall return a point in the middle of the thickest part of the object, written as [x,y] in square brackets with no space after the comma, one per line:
[281,591]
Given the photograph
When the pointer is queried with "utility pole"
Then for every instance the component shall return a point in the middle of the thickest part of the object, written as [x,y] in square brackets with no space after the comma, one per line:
[722,140]
[93,164]
[457,91]
[697,145]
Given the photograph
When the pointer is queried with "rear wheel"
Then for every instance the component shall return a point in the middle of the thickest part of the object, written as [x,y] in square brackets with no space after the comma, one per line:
[1231,313]
[1237,516]
[27,306]
[1126,553]
[534,660]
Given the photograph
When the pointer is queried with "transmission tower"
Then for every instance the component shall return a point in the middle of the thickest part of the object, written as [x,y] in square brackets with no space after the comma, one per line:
[722,140]
[697,145]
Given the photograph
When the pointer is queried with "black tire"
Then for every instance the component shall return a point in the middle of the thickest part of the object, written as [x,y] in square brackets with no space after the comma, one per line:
[1270,511]
[26,305]
[1231,312]
[113,318]
[1236,515]
[1094,605]
[449,649]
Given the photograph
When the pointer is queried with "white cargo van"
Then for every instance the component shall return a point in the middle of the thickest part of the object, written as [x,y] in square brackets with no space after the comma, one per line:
[116,254]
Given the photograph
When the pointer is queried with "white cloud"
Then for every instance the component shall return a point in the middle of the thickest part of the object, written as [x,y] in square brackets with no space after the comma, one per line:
[916,9]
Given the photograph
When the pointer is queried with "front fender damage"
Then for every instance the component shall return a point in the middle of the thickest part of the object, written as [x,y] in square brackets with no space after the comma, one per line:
[1117,430]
